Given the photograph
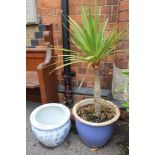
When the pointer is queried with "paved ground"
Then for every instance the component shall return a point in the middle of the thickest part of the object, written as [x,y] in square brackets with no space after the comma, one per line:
[118,145]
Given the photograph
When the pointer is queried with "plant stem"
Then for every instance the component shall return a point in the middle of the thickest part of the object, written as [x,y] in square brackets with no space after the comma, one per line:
[97,91]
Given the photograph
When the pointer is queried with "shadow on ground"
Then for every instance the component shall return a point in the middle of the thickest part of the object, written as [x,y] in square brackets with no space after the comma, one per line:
[118,145]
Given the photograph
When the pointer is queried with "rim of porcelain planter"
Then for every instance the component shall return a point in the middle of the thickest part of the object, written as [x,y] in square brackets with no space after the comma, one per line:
[90,101]
[48,126]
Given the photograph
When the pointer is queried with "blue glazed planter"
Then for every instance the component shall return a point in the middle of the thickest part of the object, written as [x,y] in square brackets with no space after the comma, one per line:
[95,135]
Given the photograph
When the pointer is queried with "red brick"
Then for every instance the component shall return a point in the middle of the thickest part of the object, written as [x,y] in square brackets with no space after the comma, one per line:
[73,2]
[48,3]
[57,19]
[90,72]
[59,76]
[108,27]
[83,64]
[126,36]
[113,19]
[124,45]
[101,2]
[79,9]
[76,18]
[123,51]
[106,9]
[60,41]
[74,69]
[111,26]
[111,58]
[42,12]
[115,2]
[76,65]
[47,19]
[55,27]
[90,77]
[40,4]
[90,84]
[52,6]
[55,42]
[51,12]
[105,59]
[115,9]
[86,2]
[81,70]
[124,5]
[57,35]
[123,25]
[58,10]
[123,64]
[73,10]
[111,2]
[103,17]
[124,16]
[121,57]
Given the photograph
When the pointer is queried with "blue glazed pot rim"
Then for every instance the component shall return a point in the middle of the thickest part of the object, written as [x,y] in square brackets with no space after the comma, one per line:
[41,126]
[90,101]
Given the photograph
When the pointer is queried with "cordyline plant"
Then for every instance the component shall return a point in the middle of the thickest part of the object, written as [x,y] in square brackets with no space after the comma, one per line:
[92,40]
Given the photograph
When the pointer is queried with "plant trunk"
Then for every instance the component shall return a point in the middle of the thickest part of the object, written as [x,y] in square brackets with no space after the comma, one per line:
[97,91]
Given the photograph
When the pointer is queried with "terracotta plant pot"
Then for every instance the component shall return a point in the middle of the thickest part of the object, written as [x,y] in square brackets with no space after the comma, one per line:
[50,123]
[95,135]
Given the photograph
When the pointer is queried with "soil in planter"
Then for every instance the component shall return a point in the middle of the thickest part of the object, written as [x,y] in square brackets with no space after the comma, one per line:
[87,113]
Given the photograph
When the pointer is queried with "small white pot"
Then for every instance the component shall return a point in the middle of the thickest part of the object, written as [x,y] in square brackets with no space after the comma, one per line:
[50,123]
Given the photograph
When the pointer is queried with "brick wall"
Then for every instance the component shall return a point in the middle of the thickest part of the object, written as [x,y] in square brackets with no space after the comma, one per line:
[121,59]
[116,10]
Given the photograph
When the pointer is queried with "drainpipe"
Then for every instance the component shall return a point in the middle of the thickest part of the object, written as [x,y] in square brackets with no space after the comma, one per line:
[67,74]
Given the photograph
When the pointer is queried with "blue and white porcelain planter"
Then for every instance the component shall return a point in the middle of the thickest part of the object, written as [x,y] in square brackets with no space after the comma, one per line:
[50,123]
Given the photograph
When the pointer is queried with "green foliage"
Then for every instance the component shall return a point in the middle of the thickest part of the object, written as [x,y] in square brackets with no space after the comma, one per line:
[91,38]
[126,103]
[126,74]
